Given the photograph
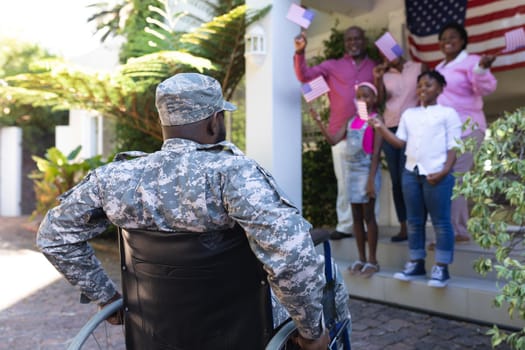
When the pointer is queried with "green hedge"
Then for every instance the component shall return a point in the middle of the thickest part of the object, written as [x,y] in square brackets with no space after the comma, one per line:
[319,186]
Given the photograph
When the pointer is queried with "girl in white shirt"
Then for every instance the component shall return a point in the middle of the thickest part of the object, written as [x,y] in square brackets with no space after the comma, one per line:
[430,133]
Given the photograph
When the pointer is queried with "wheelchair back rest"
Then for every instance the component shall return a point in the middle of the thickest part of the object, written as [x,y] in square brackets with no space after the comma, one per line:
[193,290]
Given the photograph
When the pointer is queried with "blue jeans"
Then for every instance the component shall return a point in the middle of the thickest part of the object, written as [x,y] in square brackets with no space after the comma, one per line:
[422,198]
[395,159]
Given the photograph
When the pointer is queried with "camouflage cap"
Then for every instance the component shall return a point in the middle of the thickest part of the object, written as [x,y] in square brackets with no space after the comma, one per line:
[187,98]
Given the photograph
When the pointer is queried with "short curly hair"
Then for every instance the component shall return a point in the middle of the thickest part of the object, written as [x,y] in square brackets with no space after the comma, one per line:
[434,74]
[458,28]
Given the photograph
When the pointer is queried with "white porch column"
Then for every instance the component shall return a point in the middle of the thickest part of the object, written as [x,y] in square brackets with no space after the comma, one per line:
[273,102]
[10,171]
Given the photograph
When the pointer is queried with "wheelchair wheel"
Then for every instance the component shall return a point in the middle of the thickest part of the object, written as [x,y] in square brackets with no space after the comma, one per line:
[282,339]
[98,334]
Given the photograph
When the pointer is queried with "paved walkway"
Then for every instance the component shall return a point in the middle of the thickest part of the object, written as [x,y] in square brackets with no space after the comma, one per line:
[39,310]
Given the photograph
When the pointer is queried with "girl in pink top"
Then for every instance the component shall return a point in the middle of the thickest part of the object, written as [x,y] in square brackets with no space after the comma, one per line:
[363,179]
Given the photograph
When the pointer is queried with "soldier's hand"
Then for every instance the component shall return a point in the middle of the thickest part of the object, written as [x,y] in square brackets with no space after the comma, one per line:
[117,317]
[300,42]
[320,343]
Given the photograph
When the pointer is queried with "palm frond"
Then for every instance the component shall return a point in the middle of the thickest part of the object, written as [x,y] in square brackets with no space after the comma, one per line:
[222,41]
[128,94]
[216,48]
[109,18]
[163,64]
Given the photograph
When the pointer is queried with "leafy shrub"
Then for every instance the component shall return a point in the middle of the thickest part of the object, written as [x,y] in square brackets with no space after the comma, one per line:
[496,188]
[319,186]
[57,173]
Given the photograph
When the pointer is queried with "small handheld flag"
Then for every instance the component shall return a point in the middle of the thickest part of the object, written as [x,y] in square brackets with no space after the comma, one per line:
[300,15]
[389,47]
[514,40]
[314,88]
[362,111]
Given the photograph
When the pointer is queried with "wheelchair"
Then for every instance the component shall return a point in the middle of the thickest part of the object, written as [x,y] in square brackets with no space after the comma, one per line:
[281,337]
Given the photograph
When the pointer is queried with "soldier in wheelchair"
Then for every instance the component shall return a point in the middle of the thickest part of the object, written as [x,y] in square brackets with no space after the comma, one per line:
[206,234]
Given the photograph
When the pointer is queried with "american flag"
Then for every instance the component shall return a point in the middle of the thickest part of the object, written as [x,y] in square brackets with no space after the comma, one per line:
[486,22]
[362,111]
[514,40]
[300,15]
[389,47]
[314,88]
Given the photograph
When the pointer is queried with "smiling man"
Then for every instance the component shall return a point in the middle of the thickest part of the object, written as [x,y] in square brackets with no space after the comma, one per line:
[341,75]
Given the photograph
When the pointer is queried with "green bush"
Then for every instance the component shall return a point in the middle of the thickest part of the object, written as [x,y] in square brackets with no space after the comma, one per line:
[319,186]
[496,188]
[57,173]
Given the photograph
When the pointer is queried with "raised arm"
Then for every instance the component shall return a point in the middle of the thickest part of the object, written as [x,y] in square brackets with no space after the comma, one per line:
[331,139]
[300,42]
[379,72]
[482,80]
[303,72]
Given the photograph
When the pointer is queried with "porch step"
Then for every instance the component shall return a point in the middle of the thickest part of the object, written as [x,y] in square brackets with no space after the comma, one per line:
[395,255]
[468,295]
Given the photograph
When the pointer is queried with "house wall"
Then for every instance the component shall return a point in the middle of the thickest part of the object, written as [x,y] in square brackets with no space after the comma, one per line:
[10,171]
[85,129]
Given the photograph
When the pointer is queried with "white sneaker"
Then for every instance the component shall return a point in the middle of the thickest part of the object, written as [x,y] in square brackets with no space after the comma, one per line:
[413,270]
[439,276]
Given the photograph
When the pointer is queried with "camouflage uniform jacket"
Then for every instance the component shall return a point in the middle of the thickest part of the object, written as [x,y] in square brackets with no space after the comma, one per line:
[187,186]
